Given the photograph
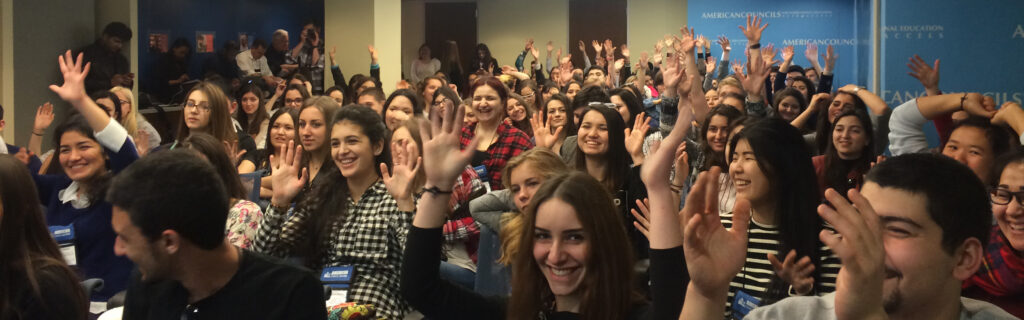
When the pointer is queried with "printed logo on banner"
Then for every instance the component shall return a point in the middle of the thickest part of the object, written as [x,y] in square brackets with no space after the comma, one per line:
[766,14]
[820,42]
[914,32]
[1018,33]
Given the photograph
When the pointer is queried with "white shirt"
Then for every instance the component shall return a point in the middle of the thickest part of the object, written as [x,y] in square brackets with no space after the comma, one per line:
[421,70]
[248,65]
[111,137]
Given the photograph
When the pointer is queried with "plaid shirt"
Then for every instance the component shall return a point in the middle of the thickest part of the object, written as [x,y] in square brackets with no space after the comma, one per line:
[511,142]
[371,238]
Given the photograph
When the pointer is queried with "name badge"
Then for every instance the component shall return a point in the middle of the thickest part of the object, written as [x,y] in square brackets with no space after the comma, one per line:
[65,237]
[338,279]
[481,172]
[743,303]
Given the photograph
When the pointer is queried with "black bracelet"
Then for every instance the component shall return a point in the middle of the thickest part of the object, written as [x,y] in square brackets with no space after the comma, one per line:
[38,134]
[755,46]
[435,191]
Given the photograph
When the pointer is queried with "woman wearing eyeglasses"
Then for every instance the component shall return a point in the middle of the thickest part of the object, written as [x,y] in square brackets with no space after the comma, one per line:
[206,110]
[1000,280]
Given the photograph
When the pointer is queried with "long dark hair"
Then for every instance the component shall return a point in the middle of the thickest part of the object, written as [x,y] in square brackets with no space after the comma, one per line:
[26,247]
[570,124]
[712,158]
[327,202]
[95,186]
[823,134]
[782,155]
[616,156]
[263,161]
[632,103]
[414,98]
[837,170]
[605,289]
[219,126]
[252,126]
[217,155]
[107,94]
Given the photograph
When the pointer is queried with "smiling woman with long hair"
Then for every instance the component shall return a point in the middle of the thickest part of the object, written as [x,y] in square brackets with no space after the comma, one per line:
[579,263]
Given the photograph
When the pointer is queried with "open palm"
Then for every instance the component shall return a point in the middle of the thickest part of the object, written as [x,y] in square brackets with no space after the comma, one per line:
[713,252]
[74,72]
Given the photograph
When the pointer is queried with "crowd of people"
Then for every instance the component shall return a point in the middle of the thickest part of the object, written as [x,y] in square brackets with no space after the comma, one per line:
[662,185]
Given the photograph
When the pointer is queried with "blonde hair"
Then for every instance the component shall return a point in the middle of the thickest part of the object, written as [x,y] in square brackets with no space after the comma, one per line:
[129,121]
[548,165]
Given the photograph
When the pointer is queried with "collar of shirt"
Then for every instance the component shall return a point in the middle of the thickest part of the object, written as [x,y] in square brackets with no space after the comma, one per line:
[70,194]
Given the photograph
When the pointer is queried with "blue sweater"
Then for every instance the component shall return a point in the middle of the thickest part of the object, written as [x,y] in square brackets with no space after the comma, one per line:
[94,236]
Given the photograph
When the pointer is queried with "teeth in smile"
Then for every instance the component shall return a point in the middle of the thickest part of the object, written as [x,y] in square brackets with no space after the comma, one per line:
[1017,226]
[560,272]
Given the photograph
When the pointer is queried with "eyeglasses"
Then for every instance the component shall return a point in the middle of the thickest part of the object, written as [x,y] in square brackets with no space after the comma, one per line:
[1002,196]
[438,104]
[293,101]
[204,106]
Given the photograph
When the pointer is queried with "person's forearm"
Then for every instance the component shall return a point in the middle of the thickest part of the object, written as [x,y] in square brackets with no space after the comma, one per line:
[697,103]
[703,305]
[802,119]
[932,107]
[93,114]
[35,141]
[430,212]
[873,102]
[298,49]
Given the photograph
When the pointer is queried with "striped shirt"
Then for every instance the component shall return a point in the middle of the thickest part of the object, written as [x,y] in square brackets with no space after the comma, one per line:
[756,275]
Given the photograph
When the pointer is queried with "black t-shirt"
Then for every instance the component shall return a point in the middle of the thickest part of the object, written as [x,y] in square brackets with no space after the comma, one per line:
[263,288]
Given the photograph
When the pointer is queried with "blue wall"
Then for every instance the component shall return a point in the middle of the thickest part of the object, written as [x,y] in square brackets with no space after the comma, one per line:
[979,45]
[792,22]
[227,18]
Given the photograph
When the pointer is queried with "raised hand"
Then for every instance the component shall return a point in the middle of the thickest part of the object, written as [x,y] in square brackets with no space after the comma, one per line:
[233,153]
[529,44]
[753,29]
[753,83]
[709,65]
[714,255]
[643,60]
[979,105]
[624,49]
[507,69]
[858,244]
[927,75]
[142,142]
[687,33]
[535,53]
[830,60]
[608,47]
[542,132]
[443,160]
[44,117]
[737,68]
[334,50]
[724,42]
[819,101]
[768,53]
[787,54]
[286,177]
[550,47]
[373,53]
[619,63]
[642,223]
[74,72]
[583,46]
[796,273]
[811,53]
[635,137]
[399,180]
[682,166]
[658,46]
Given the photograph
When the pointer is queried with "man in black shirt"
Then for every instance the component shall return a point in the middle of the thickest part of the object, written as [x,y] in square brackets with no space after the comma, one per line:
[169,213]
[109,67]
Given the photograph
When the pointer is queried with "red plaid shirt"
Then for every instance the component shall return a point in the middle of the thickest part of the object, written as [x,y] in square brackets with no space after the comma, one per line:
[511,142]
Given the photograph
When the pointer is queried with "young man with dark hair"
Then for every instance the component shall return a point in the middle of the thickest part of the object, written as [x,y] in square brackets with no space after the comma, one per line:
[372,98]
[109,68]
[907,241]
[169,213]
